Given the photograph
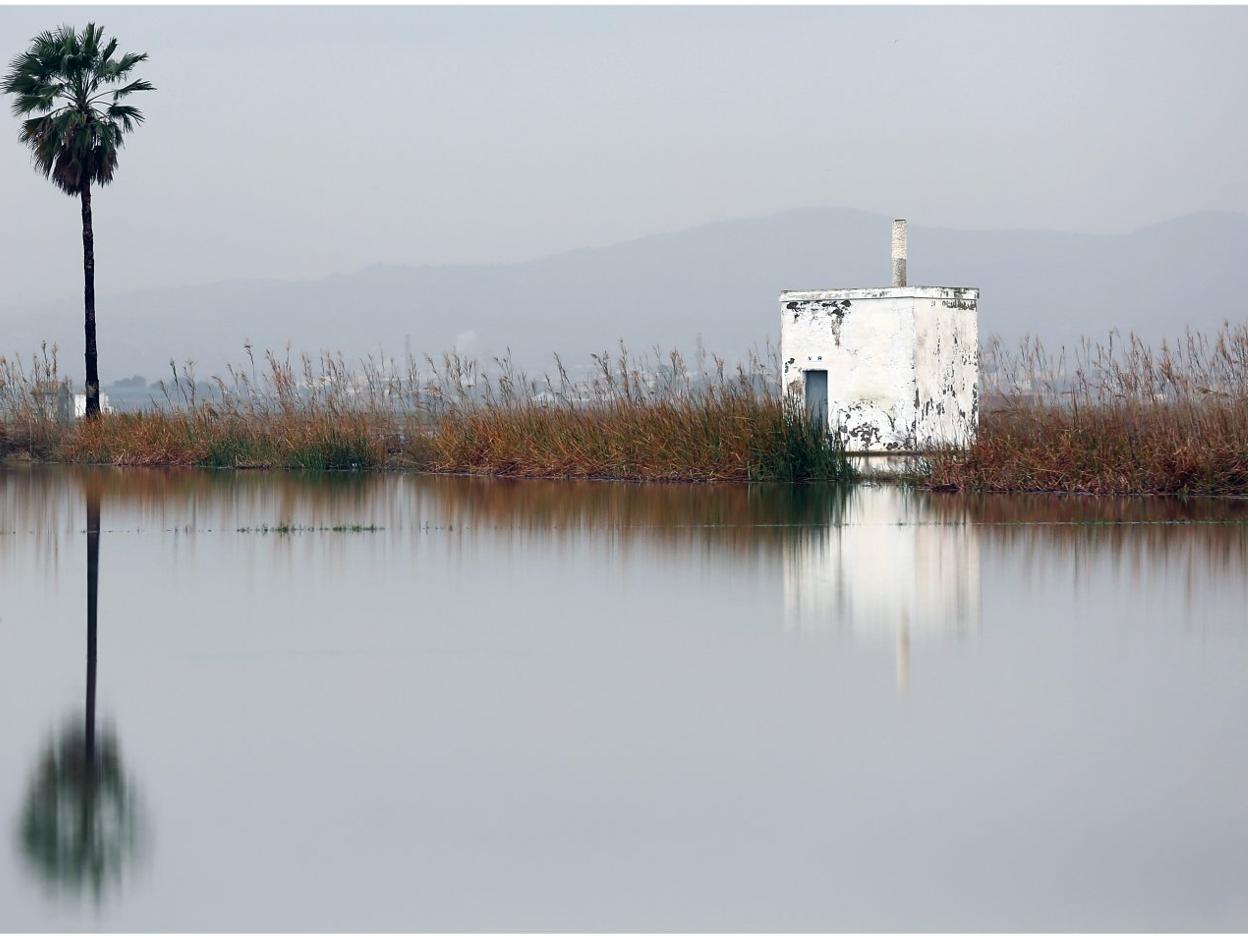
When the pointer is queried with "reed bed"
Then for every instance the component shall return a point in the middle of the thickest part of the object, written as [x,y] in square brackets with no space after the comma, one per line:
[1116,417]
[652,420]
[27,406]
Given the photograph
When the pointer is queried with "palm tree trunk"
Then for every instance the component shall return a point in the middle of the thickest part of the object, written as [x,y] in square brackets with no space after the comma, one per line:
[88,296]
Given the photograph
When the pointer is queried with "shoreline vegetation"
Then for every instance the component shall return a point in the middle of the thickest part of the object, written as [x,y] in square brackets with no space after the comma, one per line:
[1114,418]
[625,422]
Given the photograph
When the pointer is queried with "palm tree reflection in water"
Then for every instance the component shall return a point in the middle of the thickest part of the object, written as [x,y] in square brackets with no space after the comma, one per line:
[80,825]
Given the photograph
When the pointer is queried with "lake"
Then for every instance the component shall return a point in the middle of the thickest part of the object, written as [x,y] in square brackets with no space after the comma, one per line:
[395,702]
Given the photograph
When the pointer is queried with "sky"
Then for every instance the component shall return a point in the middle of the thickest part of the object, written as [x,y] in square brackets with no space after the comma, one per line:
[297,142]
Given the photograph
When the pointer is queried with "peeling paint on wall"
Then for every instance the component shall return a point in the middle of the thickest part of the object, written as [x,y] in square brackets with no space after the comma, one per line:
[902,363]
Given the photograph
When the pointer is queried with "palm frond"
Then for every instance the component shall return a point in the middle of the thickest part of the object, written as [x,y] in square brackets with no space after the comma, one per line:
[124,65]
[67,85]
[137,85]
[128,115]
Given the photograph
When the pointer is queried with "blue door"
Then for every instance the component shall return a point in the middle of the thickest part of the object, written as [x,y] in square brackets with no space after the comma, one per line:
[817,397]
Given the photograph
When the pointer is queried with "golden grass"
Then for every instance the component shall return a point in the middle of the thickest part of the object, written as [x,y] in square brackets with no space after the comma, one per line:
[1114,418]
[626,423]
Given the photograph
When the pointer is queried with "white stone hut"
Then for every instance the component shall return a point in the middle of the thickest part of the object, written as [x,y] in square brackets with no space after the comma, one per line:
[890,370]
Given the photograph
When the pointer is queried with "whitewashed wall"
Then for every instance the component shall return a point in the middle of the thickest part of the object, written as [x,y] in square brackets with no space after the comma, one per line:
[947,370]
[902,363]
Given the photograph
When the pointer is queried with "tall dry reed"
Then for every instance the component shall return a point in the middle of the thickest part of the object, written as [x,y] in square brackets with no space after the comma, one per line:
[28,404]
[1116,417]
[654,419]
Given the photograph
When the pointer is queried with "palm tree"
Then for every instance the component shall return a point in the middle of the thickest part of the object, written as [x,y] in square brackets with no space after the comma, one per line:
[69,91]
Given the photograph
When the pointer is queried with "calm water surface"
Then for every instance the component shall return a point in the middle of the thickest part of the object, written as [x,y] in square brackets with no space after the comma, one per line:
[395,703]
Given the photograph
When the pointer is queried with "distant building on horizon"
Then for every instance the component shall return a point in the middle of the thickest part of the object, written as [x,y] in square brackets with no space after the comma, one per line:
[80,404]
[61,404]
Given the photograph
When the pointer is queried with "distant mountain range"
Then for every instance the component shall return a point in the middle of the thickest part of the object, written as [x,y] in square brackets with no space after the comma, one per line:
[718,281]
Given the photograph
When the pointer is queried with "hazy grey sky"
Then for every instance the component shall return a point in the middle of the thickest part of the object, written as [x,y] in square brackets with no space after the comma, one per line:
[294,142]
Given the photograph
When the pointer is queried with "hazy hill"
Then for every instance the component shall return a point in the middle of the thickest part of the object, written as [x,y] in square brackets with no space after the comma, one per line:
[718,280]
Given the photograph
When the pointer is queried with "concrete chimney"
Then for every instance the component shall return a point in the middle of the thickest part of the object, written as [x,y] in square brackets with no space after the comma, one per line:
[899,252]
